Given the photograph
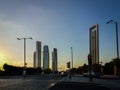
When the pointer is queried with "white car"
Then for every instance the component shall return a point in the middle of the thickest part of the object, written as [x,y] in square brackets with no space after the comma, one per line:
[88,74]
[92,73]
[63,74]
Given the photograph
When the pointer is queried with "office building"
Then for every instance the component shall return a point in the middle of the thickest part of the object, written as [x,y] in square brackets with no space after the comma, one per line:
[34,60]
[54,60]
[38,54]
[94,44]
[45,57]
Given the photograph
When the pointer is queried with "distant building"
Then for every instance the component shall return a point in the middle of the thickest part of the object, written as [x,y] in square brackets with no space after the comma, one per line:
[38,54]
[54,59]
[45,57]
[34,60]
[94,43]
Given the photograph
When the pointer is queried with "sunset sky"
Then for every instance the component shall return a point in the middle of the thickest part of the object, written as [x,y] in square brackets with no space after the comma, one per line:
[59,24]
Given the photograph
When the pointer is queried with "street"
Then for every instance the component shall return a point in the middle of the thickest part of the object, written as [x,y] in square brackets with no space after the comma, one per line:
[83,83]
[78,86]
[39,82]
[55,82]
[29,85]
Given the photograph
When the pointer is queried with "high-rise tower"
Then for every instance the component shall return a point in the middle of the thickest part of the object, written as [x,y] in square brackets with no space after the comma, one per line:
[45,57]
[54,60]
[34,60]
[94,43]
[38,53]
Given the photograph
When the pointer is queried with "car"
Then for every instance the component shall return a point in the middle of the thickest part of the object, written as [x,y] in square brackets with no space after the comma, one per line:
[88,74]
[94,74]
[63,73]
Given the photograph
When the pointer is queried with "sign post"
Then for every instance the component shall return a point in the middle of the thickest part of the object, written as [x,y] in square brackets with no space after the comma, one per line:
[68,66]
[90,67]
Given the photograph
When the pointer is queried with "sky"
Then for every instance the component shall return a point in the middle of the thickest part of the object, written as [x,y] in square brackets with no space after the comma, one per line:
[60,24]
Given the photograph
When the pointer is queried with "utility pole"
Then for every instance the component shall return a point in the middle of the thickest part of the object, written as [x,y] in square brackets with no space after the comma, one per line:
[71,58]
[24,68]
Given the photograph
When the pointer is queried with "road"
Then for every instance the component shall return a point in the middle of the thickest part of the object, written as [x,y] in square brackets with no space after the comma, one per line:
[83,83]
[77,86]
[39,82]
[29,85]
[55,82]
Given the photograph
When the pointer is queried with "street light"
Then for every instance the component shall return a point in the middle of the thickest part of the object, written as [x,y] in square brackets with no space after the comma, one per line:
[112,21]
[71,58]
[24,70]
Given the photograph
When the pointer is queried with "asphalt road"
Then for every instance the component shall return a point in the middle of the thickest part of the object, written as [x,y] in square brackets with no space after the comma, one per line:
[40,82]
[40,77]
[30,85]
[55,82]
[77,86]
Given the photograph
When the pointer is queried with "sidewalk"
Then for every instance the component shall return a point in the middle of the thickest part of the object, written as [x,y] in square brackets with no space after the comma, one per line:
[106,83]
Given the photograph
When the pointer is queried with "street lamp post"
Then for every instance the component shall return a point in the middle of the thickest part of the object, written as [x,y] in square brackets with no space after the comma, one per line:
[71,58]
[24,69]
[117,43]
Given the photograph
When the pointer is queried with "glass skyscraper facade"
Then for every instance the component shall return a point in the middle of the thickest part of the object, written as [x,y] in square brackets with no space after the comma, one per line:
[38,54]
[45,57]
[54,60]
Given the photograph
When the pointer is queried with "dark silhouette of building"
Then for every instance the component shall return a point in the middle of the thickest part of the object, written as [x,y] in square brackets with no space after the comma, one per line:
[54,60]
[34,60]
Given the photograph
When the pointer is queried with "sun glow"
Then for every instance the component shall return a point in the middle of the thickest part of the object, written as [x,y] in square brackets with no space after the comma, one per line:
[2,60]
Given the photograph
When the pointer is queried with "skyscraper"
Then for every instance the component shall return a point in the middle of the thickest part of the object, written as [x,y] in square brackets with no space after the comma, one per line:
[45,57]
[54,60]
[94,43]
[34,60]
[38,53]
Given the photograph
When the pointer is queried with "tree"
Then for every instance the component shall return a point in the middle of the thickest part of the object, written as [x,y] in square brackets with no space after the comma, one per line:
[116,62]
[12,70]
[96,68]
[85,68]
[108,68]
[73,70]
[47,71]
[79,70]
[15,70]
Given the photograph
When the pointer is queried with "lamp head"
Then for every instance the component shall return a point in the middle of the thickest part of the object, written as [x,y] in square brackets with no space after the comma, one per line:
[18,38]
[31,38]
[109,21]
